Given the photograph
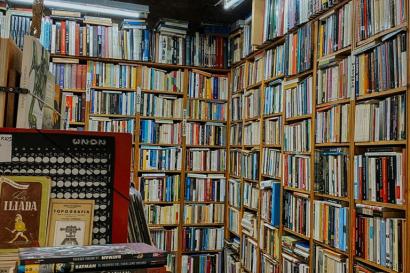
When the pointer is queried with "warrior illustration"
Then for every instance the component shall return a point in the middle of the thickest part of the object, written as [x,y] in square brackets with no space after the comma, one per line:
[20,228]
[40,81]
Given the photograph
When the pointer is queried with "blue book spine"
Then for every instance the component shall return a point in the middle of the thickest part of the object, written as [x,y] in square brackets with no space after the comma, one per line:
[146,53]
[341,229]
[275,221]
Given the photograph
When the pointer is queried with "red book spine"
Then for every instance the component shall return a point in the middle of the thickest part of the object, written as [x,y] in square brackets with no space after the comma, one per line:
[77,40]
[63,38]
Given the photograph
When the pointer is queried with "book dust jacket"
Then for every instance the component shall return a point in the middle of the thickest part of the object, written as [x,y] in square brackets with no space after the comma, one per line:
[23,211]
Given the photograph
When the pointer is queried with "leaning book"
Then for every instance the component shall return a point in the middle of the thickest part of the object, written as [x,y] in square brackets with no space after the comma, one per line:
[24,204]
[70,222]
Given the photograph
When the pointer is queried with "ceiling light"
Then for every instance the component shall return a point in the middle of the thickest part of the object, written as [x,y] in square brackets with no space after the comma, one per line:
[230,4]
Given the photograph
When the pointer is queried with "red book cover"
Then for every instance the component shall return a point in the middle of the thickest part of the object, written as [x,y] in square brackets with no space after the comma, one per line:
[63,38]
[77,40]
[384,191]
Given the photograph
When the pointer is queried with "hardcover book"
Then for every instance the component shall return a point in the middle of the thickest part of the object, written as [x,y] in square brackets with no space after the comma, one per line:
[23,211]
[70,222]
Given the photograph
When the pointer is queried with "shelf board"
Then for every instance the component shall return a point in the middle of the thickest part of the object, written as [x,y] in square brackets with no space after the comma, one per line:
[335,144]
[209,100]
[119,89]
[234,233]
[159,171]
[381,34]
[251,209]
[253,86]
[334,249]
[296,190]
[275,115]
[76,123]
[250,180]
[236,121]
[375,265]
[112,116]
[275,78]
[254,146]
[144,63]
[235,176]
[161,202]
[206,172]
[331,103]
[162,92]
[203,202]
[381,204]
[161,118]
[162,225]
[160,145]
[201,251]
[381,143]
[239,91]
[298,118]
[340,52]
[299,75]
[73,90]
[251,119]
[297,153]
[273,146]
[328,196]
[302,236]
[235,146]
[204,225]
[272,177]
[382,94]
[206,146]
[206,120]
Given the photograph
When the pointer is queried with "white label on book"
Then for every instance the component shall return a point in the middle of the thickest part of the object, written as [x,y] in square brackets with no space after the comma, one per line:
[5,148]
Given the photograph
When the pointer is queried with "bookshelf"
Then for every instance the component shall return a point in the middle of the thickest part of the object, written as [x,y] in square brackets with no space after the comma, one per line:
[335,109]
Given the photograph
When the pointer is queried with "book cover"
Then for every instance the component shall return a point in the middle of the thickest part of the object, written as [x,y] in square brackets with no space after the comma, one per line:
[70,222]
[23,210]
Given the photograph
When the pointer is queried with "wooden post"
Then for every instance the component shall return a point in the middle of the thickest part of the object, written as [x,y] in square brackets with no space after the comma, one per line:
[38,7]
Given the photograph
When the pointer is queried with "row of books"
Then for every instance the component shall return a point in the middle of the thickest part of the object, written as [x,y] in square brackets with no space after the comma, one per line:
[296,211]
[160,158]
[272,162]
[249,223]
[206,160]
[376,16]
[235,162]
[162,80]
[206,110]
[297,136]
[269,240]
[251,133]
[273,131]
[162,215]
[161,106]
[70,76]
[236,107]
[160,188]
[204,214]
[298,50]
[165,239]
[250,196]
[275,62]
[206,134]
[379,176]
[204,189]
[331,226]
[196,263]
[235,134]
[331,167]
[250,164]
[113,125]
[207,86]
[73,106]
[298,97]
[251,104]
[255,70]
[296,247]
[332,124]
[270,202]
[160,132]
[249,258]
[379,120]
[202,239]
[382,66]
[234,193]
[273,103]
[334,79]
[335,31]
[268,265]
[112,102]
[327,260]
[296,171]
[238,78]
[112,75]
[233,220]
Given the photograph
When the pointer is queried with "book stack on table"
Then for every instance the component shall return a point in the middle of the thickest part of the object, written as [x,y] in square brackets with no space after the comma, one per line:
[116,258]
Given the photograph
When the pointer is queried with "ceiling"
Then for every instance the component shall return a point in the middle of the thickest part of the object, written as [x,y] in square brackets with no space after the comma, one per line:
[193,11]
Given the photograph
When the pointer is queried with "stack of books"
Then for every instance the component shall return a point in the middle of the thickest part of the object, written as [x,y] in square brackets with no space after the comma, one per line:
[134,257]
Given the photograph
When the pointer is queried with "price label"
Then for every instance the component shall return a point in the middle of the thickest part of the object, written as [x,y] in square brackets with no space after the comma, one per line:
[5,148]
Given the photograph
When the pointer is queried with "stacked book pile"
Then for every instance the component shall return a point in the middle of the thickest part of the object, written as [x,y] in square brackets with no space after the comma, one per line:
[132,258]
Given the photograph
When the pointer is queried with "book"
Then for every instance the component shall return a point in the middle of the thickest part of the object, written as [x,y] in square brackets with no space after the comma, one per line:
[235,162]
[114,125]
[273,103]
[207,86]
[213,134]
[99,74]
[269,241]
[272,131]
[160,187]
[207,188]
[165,239]
[70,222]
[195,263]
[250,164]
[234,193]
[332,124]
[162,80]
[156,158]
[34,73]
[272,162]
[255,70]
[70,76]
[270,204]
[204,214]
[109,102]
[160,106]
[235,134]
[238,78]
[160,132]
[24,208]
[296,211]
[293,265]
[268,265]
[207,110]
[298,50]
[297,136]
[250,196]
[162,215]
[251,133]
[274,62]
[251,104]
[204,159]
[296,171]
[233,220]
[236,107]
[248,253]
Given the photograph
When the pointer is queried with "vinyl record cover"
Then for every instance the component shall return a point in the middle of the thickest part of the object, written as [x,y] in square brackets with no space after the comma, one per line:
[23,211]
[70,222]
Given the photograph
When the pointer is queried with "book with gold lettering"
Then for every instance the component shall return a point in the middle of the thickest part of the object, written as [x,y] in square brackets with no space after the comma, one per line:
[70,222]
[24,204]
